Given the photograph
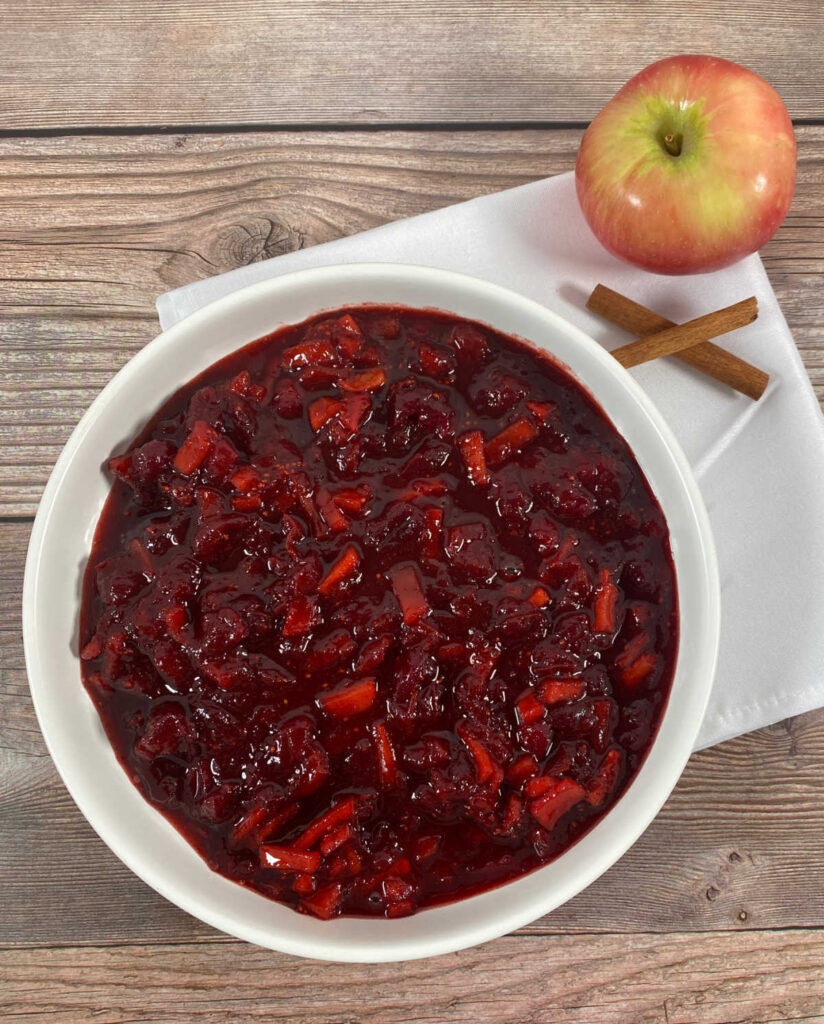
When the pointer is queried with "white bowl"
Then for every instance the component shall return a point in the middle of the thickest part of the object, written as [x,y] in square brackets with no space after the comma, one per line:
[60,543]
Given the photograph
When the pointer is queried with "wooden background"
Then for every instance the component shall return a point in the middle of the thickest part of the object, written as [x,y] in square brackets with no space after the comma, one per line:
[144,145]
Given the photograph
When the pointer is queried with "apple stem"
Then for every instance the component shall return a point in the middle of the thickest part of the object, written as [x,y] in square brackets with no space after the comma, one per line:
[673,142]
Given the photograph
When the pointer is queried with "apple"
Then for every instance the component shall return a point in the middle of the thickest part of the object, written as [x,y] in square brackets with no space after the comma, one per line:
[689,167]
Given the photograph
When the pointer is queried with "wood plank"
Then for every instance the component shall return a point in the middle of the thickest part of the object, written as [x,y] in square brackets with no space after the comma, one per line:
[208,62]
[646,979]
[95,228]
[737,846]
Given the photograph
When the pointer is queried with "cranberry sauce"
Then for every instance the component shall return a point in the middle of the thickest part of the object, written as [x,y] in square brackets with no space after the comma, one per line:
[380,612]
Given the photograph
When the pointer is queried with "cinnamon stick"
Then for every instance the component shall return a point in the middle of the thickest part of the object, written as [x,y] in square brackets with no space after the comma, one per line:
[711,359]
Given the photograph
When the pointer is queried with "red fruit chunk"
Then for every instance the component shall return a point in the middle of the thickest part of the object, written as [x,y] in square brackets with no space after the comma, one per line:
[550,807]
[606,605]
[325,903]
[332,515]
[638,671]
[528,708]
[436,362]
[310,353]
[243,386]
[176,620]
[322,410]
[366,380]
[374,654]
[336,838]
[304,885]
[409,592]
[634,662]
[192,453]
[387,763]
[604,782]
[246,502]
[488,770]
[514,812]
[275,822]
[287,400]
[345,570]
[510,441]
[521,769]
[284,858]
[432,540]
[471,446]
[353,699]
[352,499]
[540,410]
[398,894]
[356,408]
[471,344]
[557,691]
[301,616]
[248,823]
[92,650]
[325,823]
[245,479]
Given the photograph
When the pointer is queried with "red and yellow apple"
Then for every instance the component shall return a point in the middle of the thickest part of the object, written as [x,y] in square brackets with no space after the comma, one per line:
[689,167]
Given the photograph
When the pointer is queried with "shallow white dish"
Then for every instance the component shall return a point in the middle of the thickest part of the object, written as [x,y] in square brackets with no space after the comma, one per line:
[60,542]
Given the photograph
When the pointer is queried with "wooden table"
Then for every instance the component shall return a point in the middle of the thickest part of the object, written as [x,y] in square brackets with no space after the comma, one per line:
[144,145]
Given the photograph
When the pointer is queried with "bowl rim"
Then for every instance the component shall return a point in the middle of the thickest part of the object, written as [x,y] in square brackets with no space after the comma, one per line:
[382,948]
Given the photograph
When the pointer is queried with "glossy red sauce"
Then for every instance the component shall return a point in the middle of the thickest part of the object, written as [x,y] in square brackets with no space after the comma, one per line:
[380,612]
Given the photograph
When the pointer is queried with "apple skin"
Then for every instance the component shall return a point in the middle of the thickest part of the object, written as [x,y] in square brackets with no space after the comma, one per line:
[722,197]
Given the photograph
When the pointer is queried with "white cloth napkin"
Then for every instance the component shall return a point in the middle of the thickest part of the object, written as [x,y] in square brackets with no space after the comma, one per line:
[760,465]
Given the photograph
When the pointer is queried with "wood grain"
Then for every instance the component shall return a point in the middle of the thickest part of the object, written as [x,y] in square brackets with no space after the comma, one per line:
[93,229]
[716,858]
[643,979]
[69,63]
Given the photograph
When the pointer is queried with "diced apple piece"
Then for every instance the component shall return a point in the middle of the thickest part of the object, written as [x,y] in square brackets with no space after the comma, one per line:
[374,654]
[409,592]
[605,779]
[343,571]
[331,513]
[521,769]
[365,380]
[322,410]
[310,353]
[387,763]
[510,441]
[356,408]
[192,453]
[540,410]
[324,823]
[325,903]
[301,616]
[245,479]
[471,447]
[638,671]
[335,839]
[349,700]
[606,605]
[557,691]
[285,858]
[352,499]
[550,807]
[528,708]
